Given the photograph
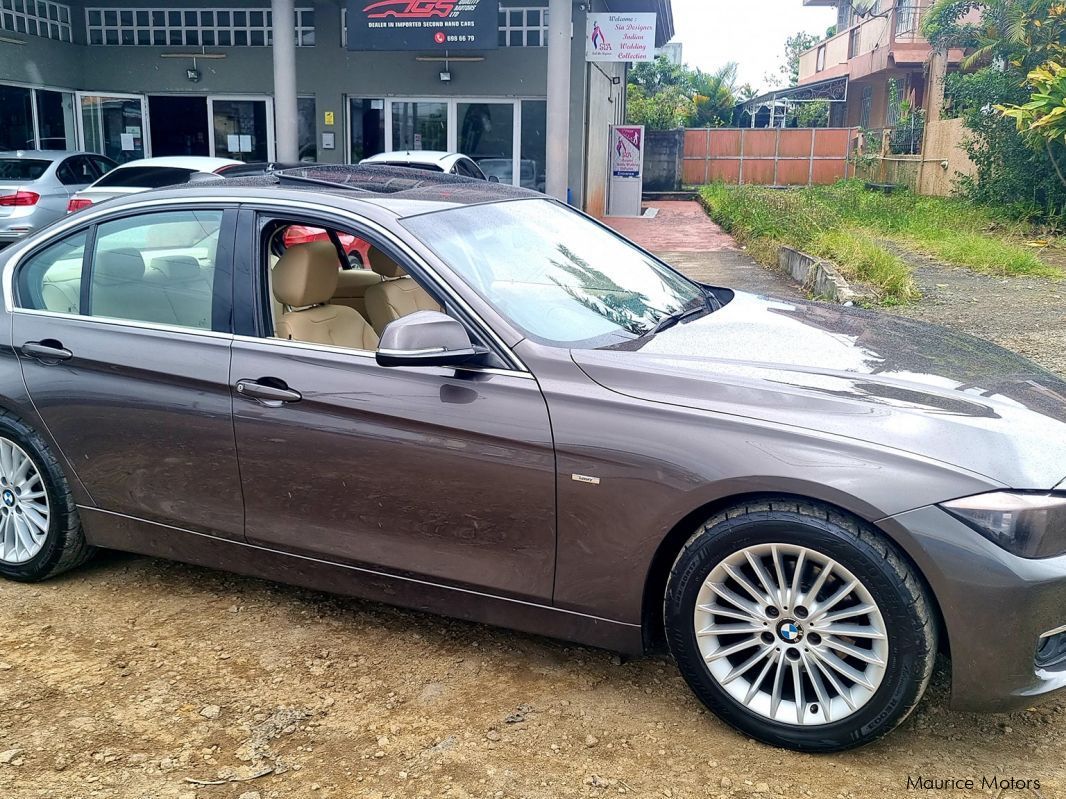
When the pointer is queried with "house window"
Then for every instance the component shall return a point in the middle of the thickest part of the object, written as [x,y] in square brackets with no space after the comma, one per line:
[867,106]
[216,27]
[36,18]
[820,66]
[855,42]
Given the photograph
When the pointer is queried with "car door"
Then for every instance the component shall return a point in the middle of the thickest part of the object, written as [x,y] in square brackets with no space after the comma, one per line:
[443,475]
[123,333]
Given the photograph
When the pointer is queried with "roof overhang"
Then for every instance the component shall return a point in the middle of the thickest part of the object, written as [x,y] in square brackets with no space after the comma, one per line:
[664,9]
[832,90]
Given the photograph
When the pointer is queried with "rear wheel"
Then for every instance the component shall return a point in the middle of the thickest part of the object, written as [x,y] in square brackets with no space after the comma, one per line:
[800,626]
[40,532]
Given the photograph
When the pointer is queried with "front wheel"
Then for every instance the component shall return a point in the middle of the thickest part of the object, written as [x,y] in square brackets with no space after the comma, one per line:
[800,626]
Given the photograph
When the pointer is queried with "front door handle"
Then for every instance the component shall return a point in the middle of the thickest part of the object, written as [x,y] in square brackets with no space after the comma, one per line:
[46,351]
[269,391]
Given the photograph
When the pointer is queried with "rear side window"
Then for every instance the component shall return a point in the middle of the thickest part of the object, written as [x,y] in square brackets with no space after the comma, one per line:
[50,280]
[146,177]
[76,171]
[157,267]
[22,168]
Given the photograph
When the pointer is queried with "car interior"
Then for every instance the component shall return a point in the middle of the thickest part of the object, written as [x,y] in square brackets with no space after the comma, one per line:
[321,296]
[161,271]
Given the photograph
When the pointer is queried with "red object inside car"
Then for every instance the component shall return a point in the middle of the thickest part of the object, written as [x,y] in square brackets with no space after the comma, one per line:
[302,234]
[20,198]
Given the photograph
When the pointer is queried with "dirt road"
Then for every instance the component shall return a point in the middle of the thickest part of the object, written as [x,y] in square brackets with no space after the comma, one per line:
[132,677]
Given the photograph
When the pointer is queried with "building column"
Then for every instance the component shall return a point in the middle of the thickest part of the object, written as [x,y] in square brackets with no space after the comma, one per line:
[560,28]
[286,119]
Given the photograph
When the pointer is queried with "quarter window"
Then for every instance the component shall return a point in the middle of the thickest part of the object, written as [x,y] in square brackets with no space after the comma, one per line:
[157,268]
[50,280]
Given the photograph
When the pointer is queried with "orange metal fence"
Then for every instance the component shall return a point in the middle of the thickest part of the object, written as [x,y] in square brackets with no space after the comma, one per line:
[768,156]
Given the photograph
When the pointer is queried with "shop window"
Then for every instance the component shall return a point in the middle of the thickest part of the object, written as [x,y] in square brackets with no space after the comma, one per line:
[16,118]
[533,164]
[366,124]
[307,135]
[55,120]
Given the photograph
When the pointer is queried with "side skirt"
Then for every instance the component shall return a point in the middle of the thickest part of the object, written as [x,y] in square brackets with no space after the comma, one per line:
[116,531]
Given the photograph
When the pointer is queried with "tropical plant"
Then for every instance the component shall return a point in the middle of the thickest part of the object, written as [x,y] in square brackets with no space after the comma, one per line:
[1043,119]
[666,110]
[714,96]
[662,96]
[1023,34]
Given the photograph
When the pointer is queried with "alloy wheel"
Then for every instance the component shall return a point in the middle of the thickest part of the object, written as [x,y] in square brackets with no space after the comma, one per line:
[24,509]
[791,634]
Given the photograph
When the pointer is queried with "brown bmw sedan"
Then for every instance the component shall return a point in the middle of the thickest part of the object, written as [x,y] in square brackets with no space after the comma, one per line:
[510,414]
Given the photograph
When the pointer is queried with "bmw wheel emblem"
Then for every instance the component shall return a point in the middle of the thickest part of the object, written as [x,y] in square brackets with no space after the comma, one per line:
[790,632]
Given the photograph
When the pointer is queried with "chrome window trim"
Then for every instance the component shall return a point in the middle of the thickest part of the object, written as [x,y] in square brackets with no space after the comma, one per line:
[371,355]
[112,321]
[91,216]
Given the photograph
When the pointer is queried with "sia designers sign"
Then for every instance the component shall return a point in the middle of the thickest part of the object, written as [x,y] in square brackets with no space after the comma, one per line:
[423,25]
[620,37]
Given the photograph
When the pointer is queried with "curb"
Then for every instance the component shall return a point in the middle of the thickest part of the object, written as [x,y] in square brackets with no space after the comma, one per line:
[817,276]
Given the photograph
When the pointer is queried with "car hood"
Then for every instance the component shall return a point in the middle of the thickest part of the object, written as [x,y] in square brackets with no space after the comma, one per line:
[878,378]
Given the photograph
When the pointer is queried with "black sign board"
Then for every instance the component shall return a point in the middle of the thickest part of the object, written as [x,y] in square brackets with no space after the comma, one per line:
[423,25]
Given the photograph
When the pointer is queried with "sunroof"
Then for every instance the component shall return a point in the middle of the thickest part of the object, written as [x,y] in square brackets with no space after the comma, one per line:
[380,179]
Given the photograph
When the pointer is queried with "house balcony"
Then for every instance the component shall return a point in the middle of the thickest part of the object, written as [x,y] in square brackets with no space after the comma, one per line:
[887,40]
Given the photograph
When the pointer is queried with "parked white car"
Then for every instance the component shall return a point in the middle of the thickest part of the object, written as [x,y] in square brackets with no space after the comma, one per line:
[431,161]
[148,173]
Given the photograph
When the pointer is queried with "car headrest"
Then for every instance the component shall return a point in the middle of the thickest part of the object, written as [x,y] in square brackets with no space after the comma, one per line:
[383,264]
[306,274]
[120,265]
[178,267]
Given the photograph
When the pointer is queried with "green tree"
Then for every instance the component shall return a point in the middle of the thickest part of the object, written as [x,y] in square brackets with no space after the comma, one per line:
[715,97]
[1043,119]
[652,77]
[666,110]
[1005,40]
[788,73]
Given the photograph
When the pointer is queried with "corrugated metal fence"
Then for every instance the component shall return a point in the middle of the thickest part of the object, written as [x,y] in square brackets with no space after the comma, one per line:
[768,156]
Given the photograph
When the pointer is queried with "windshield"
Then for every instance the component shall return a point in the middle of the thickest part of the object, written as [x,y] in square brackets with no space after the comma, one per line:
[22,168]
[145,177]
[555,275]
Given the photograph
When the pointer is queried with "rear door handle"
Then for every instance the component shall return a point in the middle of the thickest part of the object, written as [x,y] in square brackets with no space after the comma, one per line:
[47,350]
[269,391]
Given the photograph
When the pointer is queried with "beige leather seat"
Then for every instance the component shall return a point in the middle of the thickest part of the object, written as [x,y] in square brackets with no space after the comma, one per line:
[305,280]
[120,290]
[352,285]
[187,286]
[397,296]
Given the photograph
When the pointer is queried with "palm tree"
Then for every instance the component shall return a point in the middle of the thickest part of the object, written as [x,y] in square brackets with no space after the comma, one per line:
[715,94]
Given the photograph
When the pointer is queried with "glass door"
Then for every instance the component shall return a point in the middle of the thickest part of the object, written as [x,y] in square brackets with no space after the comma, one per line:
[366,128]
[420,125]
[487,134]
[242,128]
[113,125]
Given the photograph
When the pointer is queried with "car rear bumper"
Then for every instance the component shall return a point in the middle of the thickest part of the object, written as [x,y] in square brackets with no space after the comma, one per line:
[1005,616]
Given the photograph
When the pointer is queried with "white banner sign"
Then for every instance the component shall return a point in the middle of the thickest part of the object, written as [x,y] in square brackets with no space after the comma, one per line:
[620,37]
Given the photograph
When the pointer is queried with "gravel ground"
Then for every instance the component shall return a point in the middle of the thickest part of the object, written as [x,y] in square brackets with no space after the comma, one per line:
[135,677]
[1024,314]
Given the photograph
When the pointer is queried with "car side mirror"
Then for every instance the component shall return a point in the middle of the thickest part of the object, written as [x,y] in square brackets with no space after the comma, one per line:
[426,338]
[493,179]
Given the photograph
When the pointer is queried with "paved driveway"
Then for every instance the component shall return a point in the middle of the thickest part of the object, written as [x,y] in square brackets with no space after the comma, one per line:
[684,236]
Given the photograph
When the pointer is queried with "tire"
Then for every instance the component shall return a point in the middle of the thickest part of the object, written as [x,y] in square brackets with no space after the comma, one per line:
[876,639]
[62,547]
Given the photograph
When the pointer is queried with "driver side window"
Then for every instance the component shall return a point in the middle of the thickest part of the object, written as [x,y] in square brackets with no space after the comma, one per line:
[330,287]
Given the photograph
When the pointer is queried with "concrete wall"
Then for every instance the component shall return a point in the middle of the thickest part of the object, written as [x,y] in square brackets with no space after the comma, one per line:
[331,74]
[664,151]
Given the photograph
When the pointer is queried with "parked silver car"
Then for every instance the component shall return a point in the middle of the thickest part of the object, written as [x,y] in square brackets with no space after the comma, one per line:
[36,185]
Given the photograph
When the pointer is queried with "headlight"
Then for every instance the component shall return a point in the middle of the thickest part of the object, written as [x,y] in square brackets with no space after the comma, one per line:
[1027,525]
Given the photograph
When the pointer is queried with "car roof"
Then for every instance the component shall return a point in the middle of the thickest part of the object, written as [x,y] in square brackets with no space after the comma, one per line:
[414,157]
[195,162]
[397,191]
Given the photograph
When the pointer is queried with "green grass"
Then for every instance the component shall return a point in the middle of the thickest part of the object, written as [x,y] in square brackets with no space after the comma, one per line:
[856,229]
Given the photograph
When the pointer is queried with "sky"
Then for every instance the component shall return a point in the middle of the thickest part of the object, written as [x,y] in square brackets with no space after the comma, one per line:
[750,32]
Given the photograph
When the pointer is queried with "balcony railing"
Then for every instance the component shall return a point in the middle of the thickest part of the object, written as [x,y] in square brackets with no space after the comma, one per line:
[908,20]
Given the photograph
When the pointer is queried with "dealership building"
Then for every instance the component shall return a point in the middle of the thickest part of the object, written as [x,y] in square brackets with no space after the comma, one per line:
[509,84]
